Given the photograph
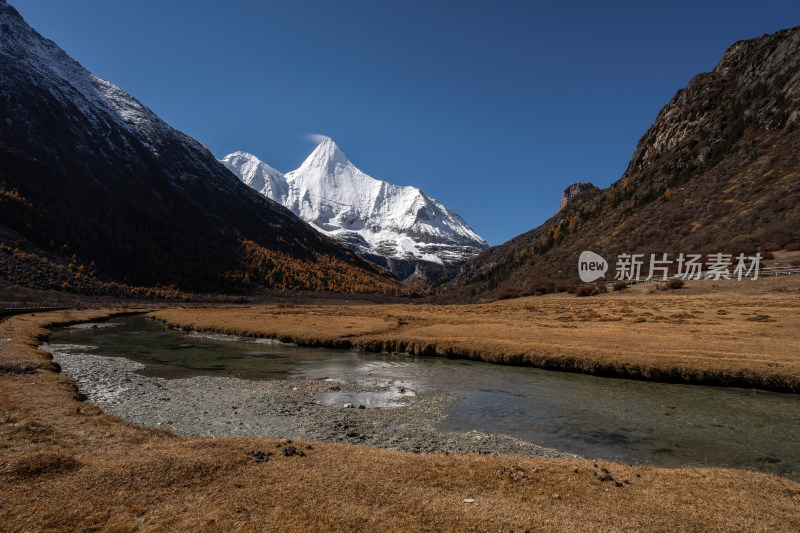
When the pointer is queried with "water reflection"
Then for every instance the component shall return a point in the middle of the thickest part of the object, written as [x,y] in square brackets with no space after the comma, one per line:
[633,421]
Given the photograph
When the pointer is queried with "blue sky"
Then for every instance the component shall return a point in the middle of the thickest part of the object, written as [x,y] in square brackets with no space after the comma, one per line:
[493,108]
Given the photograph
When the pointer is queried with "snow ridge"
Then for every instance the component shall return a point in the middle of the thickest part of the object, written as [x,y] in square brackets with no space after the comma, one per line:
[396,226]
[100,101]
[257,174]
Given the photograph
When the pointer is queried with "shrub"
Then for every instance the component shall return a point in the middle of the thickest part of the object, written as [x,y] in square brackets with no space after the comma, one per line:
[620,286]
[747,249]
[585,290]
[793,246]
[600,288]
[565,287]
[674,284]
[505,295]
[542,285]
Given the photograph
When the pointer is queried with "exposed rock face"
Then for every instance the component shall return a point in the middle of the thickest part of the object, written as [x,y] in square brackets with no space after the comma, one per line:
[718,171]
[574,190]
[756,84]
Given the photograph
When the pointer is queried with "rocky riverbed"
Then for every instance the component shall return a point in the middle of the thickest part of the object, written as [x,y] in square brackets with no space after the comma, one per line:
[294,408]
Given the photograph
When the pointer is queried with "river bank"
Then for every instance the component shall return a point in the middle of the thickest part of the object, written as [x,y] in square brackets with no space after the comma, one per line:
[221,385]
[206,406]
[738,336]
[65,464]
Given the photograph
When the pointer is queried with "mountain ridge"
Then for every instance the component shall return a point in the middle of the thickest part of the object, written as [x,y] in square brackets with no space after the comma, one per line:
[95,189]
[398,227]
[718,171]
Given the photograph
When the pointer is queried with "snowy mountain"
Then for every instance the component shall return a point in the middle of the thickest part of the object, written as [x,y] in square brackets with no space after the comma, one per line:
[399,228]
[257,174]
[90,176]
[51,73]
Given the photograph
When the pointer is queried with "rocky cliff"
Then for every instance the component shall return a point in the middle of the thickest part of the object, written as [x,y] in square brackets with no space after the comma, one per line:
[718,171]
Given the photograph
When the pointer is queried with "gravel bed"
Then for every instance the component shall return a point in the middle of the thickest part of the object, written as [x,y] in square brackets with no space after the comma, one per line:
[209,406]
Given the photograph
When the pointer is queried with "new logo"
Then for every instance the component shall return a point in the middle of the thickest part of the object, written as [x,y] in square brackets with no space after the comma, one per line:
[591,267]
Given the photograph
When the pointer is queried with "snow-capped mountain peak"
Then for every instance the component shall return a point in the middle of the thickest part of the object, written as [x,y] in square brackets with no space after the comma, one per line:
[328,165]
[257,174]
[400,228]
[326,155]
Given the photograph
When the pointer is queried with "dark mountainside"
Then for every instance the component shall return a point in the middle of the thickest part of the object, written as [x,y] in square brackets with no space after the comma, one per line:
[97,191]
[718,171]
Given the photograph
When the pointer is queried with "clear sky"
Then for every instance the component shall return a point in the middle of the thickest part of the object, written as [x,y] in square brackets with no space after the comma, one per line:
[493,108]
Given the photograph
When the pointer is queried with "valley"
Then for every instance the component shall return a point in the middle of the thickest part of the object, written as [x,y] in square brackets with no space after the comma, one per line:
[55,443]
[192,342]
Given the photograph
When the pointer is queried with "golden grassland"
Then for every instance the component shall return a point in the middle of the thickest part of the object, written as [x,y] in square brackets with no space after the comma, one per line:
[732,333]
[65,465]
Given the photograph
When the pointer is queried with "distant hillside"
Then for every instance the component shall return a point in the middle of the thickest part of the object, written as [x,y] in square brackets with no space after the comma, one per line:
[97,191]
[718,171]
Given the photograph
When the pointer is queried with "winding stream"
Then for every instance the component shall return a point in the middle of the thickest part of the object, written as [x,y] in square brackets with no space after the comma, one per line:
[604,418]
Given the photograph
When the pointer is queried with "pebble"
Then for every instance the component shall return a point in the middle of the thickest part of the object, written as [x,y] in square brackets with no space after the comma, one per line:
[289,451]
[259,457]
[469,500]
[202,406]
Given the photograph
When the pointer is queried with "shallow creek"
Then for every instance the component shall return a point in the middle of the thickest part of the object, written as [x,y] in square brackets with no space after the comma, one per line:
[123,364]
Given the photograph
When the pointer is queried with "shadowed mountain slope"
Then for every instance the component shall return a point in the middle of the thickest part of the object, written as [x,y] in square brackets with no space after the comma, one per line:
[95,188]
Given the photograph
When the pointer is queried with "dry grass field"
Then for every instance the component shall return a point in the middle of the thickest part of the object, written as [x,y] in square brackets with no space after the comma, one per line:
[67,466]
[732,333]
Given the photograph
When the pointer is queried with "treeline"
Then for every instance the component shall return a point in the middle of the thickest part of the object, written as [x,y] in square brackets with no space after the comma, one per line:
[321,272]
[107,235]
